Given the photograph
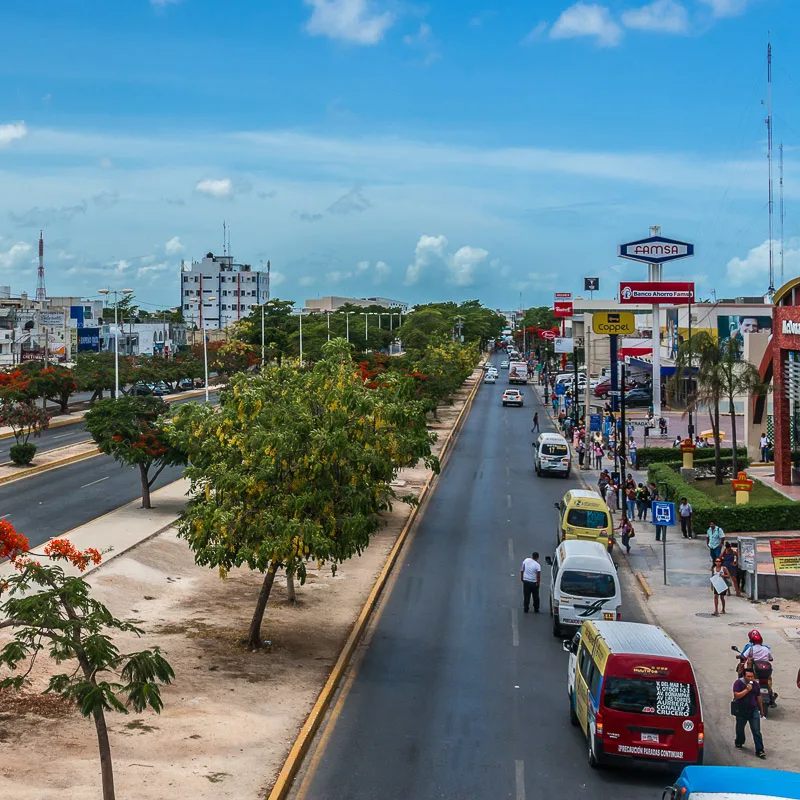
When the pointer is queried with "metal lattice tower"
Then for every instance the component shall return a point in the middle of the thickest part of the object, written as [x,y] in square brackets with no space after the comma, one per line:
[41,291]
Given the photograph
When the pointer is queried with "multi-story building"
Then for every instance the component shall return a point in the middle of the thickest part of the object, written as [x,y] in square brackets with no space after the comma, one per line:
[331,303]
[216,292]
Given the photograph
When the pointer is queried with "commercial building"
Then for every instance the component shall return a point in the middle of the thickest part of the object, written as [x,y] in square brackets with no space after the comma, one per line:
[145,338]
[331,303]
[235,289]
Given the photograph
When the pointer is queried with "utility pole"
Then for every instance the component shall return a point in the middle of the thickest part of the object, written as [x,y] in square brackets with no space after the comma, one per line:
[771,289]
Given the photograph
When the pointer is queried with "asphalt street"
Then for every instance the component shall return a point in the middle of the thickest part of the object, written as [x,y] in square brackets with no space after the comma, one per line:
[456,693]
[72,433]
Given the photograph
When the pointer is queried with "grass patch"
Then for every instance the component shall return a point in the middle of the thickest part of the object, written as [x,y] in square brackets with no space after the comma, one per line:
[725,496]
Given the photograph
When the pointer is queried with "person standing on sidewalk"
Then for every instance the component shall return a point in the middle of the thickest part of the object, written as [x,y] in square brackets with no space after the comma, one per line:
[611,496]
[630,499]
[642,501]
[749,711]
[581,452]
[661,530]
[715,538]
[686,514]
[718,570]
[531,577]
[764,443]
[535,427]
[730,560]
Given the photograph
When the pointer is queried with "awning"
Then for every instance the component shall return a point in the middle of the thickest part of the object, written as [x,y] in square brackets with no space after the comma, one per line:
[634,351]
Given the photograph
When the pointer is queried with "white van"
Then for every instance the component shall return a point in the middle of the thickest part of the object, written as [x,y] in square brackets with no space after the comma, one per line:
[551,455]
[583,585]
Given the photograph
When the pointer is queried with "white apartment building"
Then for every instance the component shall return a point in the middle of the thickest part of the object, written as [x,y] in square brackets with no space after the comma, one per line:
[235,289]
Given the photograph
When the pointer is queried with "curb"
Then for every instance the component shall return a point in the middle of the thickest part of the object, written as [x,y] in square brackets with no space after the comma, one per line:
[46,467]
[643,581]
[57,424]
[284,782]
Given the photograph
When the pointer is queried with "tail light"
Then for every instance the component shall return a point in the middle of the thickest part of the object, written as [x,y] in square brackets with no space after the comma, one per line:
[598,724]
[619,613]
[555,607]
[701,736]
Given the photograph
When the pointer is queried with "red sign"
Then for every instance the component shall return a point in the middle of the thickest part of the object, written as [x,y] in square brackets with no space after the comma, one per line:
[650,292]
[785,554]
[547,335]
[563,295]
[562,308]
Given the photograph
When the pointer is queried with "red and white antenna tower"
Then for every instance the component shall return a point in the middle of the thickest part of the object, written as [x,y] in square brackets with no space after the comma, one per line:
[41,292]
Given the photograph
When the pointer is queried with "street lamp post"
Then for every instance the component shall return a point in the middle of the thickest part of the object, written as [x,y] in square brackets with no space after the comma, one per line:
[328,315]
[263,350]
[365,314]
[200,300]
[116,293]
[347,322]
[301,337]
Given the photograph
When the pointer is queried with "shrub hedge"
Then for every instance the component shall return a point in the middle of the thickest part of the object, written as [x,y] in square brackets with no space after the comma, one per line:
[645,456]
[781,515]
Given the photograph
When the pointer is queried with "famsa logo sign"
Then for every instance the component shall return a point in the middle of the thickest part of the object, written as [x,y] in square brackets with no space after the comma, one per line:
[789,326]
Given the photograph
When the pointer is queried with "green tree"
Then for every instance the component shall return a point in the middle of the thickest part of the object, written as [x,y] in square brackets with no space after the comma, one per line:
[133,430]
[296,465]
[94,372]
[18,411]
[56,383]
[51,612]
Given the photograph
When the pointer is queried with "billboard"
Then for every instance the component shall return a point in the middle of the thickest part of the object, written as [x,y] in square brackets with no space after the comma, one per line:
[563,344]
[613,323]
[562,308]
[656,250]
[88,340]
[737,326]
[656,292]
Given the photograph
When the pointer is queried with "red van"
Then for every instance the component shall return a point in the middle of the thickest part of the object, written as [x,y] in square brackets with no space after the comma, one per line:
[633,692]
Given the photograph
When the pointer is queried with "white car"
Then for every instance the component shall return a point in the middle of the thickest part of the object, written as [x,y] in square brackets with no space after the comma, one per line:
[490,377]
[504,365]
[512,397]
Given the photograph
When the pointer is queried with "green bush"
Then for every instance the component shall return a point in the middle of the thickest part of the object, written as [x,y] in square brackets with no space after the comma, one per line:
[783,515]
[645,456]
[22,454]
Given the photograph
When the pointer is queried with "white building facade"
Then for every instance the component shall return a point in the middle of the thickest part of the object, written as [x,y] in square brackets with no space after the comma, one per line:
[235,288]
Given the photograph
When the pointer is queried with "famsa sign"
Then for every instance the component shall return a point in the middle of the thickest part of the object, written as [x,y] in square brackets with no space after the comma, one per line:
[791,327]
[656,250]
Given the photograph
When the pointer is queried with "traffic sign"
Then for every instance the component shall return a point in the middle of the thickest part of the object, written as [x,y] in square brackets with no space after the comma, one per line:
[663,512]
[656,250]
[612,323]
[656,292]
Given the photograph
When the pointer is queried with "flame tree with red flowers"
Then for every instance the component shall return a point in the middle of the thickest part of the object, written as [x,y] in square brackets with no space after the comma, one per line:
[51,612]
[132,430]
[18,411]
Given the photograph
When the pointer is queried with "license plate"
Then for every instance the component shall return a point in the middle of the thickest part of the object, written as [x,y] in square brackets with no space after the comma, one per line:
[608,615]
[650,737]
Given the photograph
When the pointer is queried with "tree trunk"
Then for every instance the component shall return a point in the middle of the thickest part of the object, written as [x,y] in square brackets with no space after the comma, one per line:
[254,634]
[717,454]
[63,401]
[292,595]
[143,470]
[733,439]
[104,746]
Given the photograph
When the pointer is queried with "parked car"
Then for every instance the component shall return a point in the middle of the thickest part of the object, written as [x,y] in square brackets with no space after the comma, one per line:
[160,389]
[602,389]
[141,390]
[185,385]
[512,397]
[638,397]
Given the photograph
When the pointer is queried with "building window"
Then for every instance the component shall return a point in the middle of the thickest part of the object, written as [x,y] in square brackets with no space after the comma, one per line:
[186,306]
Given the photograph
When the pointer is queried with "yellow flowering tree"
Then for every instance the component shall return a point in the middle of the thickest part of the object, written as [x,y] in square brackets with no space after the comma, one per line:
[296,466]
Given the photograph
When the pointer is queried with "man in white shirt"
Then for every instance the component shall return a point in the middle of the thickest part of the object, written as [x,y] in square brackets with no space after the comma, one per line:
[764,443]
[531,577]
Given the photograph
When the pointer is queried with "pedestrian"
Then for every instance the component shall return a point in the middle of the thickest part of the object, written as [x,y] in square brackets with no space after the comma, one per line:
[715,538]
[602,482]
[686,514]
[611,496]
[642,501]
[632,453]
[630,500]
[598,455]
[764,442]
[627,531]
[630,430]
[718,570]
[535,427]
[531,577]
[730,560]
[661,530]
[678,442]
[749,710]
[554,401]
[581,453]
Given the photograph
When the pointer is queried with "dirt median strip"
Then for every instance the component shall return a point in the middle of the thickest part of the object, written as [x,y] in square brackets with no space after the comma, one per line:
[299,749]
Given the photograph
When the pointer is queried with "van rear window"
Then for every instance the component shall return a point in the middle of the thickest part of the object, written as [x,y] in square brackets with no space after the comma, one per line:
[586,518]
[587,584]
[638,696]
[554,449]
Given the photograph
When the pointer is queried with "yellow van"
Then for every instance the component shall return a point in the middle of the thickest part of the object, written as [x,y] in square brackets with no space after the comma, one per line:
[584,515]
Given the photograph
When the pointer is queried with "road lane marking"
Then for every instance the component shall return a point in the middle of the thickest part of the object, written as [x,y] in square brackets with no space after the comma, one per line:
[99,480]
[61,436]
[5,516]
[519,769]
[508,500]
[514,627]
[511,549]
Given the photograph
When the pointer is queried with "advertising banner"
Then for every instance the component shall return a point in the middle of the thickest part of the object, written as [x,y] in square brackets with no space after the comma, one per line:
[614,323]
[88,340]
[563,344]
[747,553]
[562,308]
[786,554]
[652,292]
[738,326]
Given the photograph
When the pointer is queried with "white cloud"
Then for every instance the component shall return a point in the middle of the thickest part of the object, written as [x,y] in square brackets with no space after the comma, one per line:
[174,246]
[337,276]
[307,280]
[535,34]
[726,8]
[423,40]
[428,250]
[150,272]
[587,19]
[15,256]
[463,264]
[382,271]
[211,187]
[362,266]
[753,269]
[11,132]
[353,21]
[276,278]
[664,16]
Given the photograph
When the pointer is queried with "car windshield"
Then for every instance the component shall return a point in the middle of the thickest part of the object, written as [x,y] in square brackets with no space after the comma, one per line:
[642,696]
[588,584]
[586,518]
[554,449]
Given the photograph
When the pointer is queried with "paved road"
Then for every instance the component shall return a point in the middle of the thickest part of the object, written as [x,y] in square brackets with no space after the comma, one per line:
[64,435]
[459,694]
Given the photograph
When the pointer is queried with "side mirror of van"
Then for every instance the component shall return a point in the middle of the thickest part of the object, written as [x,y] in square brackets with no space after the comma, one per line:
[548,560]
[557,506]
[566,645]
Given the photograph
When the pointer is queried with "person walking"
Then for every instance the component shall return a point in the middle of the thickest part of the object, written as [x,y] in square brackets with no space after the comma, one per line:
[581,453]
[718,571]
[749,710]
[531,576]
[535,427]
[630,499]
[715,538]
[611,496]
[764,444]
[730,560]
[598,455]
[626,529]
[686,515]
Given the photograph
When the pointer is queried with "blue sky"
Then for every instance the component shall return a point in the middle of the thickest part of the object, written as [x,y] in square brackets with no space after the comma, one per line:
[450,149]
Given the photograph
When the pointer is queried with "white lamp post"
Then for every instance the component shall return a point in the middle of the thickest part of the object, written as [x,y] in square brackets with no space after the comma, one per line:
[365,314]
[347,323]
[199,300]
[116,293]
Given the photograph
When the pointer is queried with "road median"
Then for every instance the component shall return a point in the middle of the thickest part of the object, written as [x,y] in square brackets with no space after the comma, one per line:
[49,459]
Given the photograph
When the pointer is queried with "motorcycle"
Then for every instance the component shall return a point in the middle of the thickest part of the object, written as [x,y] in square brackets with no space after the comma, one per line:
[763,672]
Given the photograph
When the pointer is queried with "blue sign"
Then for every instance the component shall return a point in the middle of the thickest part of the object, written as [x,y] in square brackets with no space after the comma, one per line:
[663,512]
[656,250]
[561,388]
[594,422]
[88,340]
[76,313]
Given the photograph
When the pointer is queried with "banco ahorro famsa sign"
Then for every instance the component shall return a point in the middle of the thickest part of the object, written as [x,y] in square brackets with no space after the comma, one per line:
[656,250]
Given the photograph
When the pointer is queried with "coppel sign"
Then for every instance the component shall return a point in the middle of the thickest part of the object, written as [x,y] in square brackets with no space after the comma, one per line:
[88,340]
[656,250]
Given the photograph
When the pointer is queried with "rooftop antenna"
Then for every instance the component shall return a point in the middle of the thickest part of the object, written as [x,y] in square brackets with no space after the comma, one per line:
[268,276]
[771,289]
[782,212]
[41,292]
[224,238]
